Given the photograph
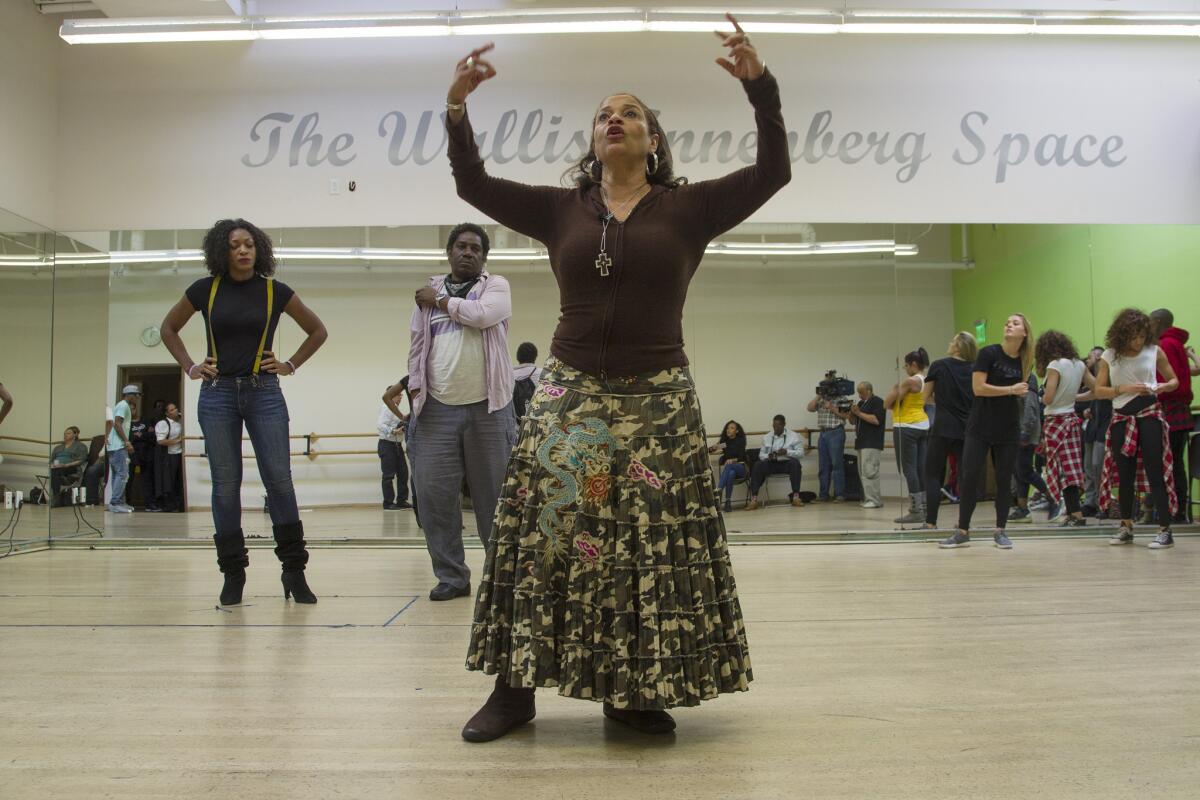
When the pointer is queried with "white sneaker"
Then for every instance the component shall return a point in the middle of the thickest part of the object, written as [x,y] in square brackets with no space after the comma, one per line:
[869,504]
[119,509]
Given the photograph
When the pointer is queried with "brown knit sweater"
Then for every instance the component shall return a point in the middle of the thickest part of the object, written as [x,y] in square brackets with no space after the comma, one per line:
[631,321]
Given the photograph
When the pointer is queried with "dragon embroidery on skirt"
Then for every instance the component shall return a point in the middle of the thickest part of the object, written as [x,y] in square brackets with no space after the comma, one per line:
[579,457]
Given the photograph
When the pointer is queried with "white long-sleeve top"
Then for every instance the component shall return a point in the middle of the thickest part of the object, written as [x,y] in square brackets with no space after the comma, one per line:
[788,440]
[387,425]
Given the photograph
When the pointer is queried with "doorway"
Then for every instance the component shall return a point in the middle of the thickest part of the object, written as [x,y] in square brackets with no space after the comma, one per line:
[160,384]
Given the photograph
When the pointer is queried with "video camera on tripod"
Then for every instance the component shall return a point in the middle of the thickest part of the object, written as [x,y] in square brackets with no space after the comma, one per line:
[837,390]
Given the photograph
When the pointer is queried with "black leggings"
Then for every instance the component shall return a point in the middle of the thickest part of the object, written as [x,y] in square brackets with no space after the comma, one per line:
[938,450]
[1179,444]
[1150,445]
[1027,473]
[971,470]
[1071,497]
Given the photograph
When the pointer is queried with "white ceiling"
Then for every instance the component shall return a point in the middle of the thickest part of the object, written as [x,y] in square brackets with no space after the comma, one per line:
[171,8]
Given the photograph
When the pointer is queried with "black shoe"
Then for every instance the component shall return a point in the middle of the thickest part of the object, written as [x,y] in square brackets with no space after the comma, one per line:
[728,506]
[1091,511]
[390,506]
[505,709]
[402,504]
[444,591]
[296,587]
[231,594]
[655,721]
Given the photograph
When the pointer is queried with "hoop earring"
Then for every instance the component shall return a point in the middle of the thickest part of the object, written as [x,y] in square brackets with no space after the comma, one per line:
[651,171]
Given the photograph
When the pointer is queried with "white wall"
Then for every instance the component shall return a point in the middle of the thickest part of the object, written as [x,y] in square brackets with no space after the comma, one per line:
[25,308]
[29,155]
[759,340]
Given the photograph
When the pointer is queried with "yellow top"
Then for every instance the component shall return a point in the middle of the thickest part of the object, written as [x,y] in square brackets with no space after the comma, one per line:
[910,410]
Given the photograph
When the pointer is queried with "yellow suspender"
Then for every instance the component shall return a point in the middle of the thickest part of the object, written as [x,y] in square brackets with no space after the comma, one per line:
[262,343]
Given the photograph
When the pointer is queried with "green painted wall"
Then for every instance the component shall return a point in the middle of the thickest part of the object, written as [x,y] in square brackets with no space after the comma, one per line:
[1076,277]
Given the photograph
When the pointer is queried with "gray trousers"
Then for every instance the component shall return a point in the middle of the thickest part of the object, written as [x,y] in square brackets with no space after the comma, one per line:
[868,473]
[445,444]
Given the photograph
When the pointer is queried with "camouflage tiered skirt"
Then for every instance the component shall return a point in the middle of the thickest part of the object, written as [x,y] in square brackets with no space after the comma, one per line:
[608,573]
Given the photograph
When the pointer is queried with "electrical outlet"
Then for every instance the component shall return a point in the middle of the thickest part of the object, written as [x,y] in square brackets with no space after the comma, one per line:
[8,501]
[75,496]
[19,500]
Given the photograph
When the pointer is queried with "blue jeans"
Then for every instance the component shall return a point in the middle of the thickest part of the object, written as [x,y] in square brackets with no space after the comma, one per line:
[118,463]
[729,473]
[225,405]
[831,447]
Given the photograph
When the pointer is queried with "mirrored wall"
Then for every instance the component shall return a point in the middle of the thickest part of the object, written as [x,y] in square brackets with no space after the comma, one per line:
[774,310]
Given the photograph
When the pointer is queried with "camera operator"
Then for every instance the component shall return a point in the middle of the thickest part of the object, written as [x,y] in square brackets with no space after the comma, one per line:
[869,418]
[780,454]
[832,405]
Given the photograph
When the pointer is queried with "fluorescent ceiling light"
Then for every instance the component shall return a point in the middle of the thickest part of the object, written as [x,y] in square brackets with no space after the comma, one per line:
[434,256]
[631,20]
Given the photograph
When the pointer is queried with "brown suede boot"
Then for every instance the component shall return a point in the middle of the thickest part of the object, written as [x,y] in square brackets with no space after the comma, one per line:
[654,721]
[506,708]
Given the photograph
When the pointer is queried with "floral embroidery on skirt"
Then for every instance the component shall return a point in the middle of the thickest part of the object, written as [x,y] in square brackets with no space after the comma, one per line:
[608,574]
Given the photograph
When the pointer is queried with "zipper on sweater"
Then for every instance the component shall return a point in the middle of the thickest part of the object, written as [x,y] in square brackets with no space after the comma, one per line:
[610,307]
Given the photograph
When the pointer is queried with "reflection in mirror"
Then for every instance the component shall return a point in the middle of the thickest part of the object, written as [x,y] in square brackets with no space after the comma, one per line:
[79,468]
[772,309]
[26,295]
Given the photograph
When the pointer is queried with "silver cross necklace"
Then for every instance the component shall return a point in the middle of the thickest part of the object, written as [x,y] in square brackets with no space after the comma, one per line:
[603,262]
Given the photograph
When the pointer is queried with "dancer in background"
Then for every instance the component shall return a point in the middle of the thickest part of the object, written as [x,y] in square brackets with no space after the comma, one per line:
[948,384]
[1058,364]
[994,426]
[910,430]
[241,305]
[1138,449]
[586,586]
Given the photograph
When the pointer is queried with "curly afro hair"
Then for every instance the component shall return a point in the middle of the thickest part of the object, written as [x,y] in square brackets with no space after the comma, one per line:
[216,248]
[1051,346]
[1129,324]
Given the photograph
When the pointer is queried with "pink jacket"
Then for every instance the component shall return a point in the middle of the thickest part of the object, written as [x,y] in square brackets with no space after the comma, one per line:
[488,308]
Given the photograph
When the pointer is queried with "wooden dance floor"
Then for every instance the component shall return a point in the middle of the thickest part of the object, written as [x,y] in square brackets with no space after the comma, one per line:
[1063,669]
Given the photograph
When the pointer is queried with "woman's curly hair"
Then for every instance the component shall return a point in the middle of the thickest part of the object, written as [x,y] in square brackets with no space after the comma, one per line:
[586,173]
[740,430]
[216,248]
[1129,324]
[1051,346]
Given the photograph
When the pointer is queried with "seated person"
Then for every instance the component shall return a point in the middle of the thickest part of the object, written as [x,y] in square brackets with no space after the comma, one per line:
[732,463]
[65,462]
[96,469]
[780,455]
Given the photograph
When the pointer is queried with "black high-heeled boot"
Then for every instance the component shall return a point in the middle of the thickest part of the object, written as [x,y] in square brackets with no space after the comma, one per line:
[289,547]
[232,559]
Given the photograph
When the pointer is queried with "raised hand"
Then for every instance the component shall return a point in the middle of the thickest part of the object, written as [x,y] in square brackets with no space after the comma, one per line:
[743,62]
[469,73]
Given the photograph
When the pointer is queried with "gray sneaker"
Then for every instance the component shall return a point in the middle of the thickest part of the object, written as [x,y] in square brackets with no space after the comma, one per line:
[911,518]
[958,539]
[1019,514]
[1122,536]
[1002,541]
[1073,522]
[1162,541]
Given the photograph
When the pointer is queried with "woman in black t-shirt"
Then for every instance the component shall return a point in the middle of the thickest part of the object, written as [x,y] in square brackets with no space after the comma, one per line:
[732,463]
[948,384]
[998,382]
[242,305]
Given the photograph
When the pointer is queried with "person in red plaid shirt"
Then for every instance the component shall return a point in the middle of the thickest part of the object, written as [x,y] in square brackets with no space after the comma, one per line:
[1058,363]
[1177,404]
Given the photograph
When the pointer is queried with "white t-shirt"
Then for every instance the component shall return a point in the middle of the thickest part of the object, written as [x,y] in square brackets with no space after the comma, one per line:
[169,429]
[1141,368]
[456,368]
[1070,378]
